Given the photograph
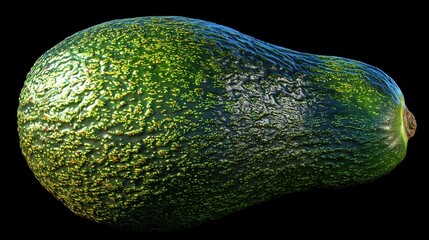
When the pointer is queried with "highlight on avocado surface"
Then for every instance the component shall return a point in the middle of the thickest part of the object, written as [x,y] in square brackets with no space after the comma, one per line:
[163,123]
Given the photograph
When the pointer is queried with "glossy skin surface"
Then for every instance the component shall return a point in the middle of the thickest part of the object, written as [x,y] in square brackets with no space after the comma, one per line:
[160,123]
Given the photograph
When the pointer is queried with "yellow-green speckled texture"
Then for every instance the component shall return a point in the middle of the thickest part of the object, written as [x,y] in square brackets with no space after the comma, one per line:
[160,123]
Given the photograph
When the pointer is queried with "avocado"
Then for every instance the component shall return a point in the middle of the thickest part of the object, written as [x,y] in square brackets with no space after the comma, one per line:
[163,123]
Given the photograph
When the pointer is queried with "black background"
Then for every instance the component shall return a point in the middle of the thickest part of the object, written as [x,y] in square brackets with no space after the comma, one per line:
[389,37]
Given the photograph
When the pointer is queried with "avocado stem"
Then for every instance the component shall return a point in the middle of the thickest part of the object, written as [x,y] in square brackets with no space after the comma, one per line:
[410,123]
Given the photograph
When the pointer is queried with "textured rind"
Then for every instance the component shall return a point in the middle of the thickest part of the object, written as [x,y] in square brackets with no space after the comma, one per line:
[160,123]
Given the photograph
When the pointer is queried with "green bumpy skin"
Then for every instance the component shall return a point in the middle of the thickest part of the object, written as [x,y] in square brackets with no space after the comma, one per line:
[161,123]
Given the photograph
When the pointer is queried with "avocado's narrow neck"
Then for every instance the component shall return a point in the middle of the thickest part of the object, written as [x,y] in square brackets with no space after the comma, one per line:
[410,123]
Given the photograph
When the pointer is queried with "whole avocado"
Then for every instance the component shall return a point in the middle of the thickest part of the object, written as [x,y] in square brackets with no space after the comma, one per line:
[161,123]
